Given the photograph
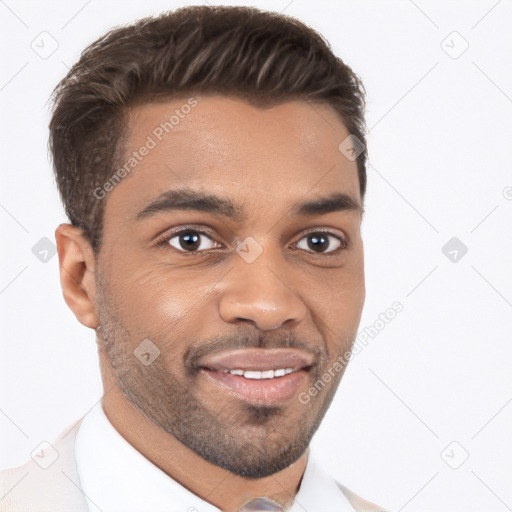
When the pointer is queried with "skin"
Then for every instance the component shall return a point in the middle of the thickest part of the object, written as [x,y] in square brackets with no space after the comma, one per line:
[188,303]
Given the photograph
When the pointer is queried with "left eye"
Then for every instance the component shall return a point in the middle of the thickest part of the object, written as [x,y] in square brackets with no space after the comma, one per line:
[320,242]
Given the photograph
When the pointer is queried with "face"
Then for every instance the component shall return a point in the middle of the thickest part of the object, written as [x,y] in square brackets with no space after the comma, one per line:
[231,276]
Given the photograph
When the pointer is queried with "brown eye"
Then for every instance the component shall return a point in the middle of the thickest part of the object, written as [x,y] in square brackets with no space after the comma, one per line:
[320,242]
[191,240]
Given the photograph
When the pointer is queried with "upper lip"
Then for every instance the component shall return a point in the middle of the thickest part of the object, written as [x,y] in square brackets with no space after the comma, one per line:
[258,360]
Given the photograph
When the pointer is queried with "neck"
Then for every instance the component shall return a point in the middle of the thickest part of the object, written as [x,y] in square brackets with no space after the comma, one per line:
[223,489]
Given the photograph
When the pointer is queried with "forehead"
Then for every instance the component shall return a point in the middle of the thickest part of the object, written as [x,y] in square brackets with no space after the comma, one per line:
[222,145]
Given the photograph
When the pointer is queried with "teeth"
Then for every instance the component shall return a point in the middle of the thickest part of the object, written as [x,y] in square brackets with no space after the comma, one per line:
[248,374]
[266,374]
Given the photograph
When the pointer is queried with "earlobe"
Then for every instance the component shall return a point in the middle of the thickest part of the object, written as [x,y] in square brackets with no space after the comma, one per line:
[76,267]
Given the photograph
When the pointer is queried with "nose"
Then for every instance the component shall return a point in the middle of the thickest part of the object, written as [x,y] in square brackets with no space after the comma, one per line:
[260,293]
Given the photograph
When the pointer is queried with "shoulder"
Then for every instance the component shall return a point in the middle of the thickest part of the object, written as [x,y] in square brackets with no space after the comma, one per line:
[48,481]
[359,504]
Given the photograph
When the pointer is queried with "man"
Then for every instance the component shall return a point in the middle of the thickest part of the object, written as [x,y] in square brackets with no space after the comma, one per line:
[212,163]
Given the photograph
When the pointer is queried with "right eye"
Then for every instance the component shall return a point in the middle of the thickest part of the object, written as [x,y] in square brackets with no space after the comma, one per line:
[191,240]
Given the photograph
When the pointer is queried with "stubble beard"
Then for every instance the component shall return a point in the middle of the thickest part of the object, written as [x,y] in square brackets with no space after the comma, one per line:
[252,441]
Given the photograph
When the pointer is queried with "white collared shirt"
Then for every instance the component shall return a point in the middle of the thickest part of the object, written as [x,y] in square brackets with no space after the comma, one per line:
[115,477]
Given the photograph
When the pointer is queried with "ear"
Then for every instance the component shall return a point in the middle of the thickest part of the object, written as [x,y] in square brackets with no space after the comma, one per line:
[76,268]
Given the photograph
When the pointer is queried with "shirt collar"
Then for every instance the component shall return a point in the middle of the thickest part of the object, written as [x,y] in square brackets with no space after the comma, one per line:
[116,477]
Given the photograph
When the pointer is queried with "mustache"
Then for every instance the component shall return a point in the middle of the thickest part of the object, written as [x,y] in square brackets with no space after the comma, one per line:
[253,339]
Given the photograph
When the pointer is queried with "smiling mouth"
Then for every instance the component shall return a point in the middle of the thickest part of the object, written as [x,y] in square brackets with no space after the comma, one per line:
[264,377]
[263,374]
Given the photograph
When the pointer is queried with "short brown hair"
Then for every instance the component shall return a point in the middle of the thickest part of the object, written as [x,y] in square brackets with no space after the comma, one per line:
[260,56]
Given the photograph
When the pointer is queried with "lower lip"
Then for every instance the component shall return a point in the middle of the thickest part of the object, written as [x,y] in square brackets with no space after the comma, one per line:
[262,391]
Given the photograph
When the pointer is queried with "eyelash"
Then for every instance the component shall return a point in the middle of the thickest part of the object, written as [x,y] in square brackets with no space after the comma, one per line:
[163,241]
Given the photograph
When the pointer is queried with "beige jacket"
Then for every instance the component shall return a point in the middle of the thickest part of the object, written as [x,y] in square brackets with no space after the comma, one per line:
[32,488]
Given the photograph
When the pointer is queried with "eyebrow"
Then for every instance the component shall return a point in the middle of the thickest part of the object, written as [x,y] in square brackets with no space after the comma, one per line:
[185,199]
[337,202]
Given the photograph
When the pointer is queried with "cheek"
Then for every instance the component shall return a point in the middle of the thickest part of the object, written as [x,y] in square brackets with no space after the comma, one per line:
[339,302]
[352,289]
[161,303]
[340,288]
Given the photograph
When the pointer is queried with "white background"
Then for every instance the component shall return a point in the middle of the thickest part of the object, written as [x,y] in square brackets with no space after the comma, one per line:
[440,167]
